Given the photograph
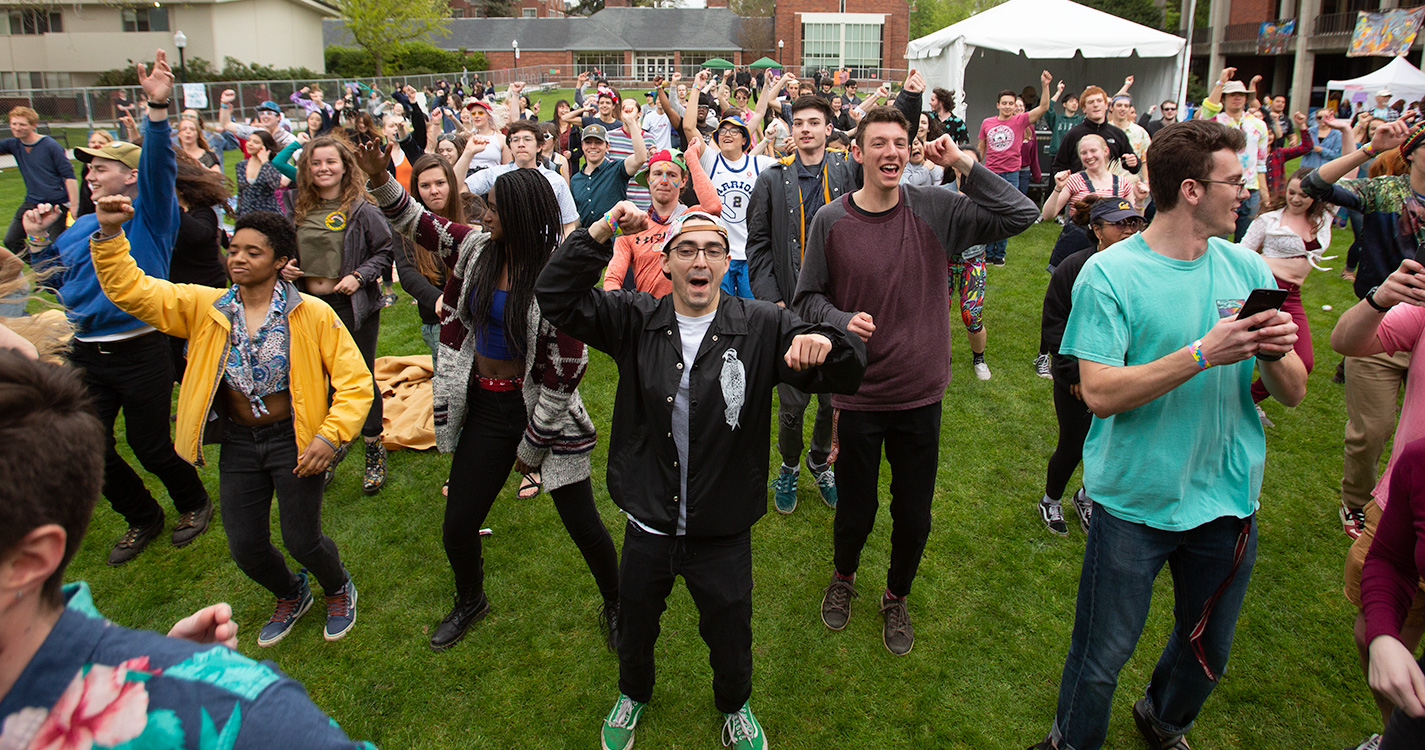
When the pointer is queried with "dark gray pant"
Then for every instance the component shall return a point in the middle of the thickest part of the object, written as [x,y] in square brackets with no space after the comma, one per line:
[792,405]
[255,463]
[366,337]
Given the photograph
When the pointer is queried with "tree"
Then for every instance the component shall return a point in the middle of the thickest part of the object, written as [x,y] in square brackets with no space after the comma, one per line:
[755,32]
[930,16]
[1145,12]
[377,26]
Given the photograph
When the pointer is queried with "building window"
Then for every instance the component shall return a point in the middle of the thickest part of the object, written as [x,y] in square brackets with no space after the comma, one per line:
[692,62]
[457,12]
[145,19]
[528,12]
[646,65]
[610,63]
[35,21]
[837,45]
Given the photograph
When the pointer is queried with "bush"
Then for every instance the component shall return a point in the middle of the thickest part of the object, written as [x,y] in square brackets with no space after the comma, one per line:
[199,70]
[409,58]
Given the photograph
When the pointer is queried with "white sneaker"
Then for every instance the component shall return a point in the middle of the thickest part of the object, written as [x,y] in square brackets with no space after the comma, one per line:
[1371,743]
[982,371]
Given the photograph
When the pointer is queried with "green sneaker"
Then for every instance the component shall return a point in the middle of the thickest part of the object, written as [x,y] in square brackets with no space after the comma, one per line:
[618,725]
[741,731]
[784,490]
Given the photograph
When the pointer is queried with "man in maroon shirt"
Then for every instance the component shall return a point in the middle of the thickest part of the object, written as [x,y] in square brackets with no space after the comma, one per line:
[874,263]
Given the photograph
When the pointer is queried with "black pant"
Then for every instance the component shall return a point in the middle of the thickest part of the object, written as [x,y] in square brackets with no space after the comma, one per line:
[912,441]
[255,463]
[15,234]
[136,376]
[365,337]
[1074,420]
[718,573]
[494,425]
[1403,731]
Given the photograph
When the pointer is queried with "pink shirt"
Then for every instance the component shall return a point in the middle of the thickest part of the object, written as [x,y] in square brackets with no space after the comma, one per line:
[1002,142]
[1401,331]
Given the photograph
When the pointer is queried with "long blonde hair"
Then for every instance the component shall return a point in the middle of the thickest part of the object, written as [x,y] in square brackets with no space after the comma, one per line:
[49,330]
[353,181]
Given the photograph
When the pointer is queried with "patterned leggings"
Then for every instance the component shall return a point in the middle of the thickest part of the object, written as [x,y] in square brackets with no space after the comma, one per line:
[968,278]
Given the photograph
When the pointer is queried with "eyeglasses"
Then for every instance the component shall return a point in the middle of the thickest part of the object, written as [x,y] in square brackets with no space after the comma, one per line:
[1132,224]
[729,129]
[1237,185]
[688,251]
[1170,109]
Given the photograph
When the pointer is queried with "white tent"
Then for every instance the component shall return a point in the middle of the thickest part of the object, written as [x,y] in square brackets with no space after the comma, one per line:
[1404,80]
[1008,45]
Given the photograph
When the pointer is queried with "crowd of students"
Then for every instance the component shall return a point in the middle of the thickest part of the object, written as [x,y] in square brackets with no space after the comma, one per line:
[716,244]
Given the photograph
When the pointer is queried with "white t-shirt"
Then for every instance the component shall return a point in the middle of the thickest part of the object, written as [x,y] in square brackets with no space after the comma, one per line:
[481,182]
[656,126]
[733,182]
[691,332]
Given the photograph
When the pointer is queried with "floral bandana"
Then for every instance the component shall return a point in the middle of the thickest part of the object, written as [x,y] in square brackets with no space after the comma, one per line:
[257,363]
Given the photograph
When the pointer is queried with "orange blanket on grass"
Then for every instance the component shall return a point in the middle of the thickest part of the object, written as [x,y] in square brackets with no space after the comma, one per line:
[408,420]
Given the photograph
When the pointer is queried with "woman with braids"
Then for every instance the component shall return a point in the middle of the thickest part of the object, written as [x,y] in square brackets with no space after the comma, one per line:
[343,246]
[1107,220]
[197,252]
[257,178]
[506,387]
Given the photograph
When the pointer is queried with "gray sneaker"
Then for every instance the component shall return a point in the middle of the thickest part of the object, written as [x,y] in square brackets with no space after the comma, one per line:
[836,603]
[897,634]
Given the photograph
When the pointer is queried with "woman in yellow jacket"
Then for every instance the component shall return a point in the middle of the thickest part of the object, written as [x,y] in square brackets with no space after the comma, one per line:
[260,356]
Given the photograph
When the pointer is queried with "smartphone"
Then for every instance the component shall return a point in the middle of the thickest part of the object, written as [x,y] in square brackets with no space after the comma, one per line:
[1261,300]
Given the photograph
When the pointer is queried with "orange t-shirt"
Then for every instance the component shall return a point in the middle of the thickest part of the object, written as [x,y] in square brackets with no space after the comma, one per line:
[641,251]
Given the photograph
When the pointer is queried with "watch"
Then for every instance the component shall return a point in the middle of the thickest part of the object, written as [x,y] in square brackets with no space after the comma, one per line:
[1371,300]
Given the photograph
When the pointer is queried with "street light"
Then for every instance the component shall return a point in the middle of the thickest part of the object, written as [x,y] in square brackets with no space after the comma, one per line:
[516,44]
[180,40]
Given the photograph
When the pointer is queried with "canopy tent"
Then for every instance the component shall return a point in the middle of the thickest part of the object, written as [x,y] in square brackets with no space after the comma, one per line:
[1008,45]
[765,63]
[1404,80]
[717,63]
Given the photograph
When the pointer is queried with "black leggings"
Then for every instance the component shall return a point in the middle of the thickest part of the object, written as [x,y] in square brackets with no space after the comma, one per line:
[494,425]
[1074,420]
[365,337]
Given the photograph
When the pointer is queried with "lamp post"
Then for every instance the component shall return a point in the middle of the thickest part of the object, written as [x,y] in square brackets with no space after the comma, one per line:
[180,40]
[516,44]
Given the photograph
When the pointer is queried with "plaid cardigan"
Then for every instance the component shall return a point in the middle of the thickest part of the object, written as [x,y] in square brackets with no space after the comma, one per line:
[559,437]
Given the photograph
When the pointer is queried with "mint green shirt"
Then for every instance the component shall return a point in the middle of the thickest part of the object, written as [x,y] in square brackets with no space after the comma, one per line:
[1195,453]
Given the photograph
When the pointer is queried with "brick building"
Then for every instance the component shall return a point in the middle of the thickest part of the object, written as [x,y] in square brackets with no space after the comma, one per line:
[860,34]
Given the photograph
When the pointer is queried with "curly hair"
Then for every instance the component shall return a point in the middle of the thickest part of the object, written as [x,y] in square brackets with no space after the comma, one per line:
[281,234]
[1315,215]
[353,180]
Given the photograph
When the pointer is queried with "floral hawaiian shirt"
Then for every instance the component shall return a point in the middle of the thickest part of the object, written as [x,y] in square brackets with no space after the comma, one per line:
[94,684]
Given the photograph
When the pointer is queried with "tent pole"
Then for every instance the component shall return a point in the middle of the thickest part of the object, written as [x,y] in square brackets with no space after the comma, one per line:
[1186,68]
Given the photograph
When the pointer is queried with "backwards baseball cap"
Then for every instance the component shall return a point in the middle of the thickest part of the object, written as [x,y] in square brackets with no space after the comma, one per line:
[1234,87]
[1413,140]
[692,221]
[1113,210]
[668,154]
[120,151]
[597,132]
[269,106]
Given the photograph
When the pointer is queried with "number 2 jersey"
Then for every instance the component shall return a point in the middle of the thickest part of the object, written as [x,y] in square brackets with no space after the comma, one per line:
[733,181]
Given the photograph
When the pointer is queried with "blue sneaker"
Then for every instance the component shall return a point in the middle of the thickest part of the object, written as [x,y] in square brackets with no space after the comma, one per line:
[825,483]
[289,609]
[785,490]
[341,611]
[619,724]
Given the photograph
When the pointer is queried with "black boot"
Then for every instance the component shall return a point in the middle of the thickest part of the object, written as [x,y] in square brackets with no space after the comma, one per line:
[467,611]
[608,622]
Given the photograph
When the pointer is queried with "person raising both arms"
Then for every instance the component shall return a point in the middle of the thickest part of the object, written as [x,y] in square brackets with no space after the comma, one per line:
[636,262]
[269,119]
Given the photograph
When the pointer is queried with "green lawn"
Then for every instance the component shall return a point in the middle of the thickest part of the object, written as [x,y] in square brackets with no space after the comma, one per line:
[993,605]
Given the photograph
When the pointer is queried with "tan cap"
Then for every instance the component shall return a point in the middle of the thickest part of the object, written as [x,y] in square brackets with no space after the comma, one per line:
[120,151]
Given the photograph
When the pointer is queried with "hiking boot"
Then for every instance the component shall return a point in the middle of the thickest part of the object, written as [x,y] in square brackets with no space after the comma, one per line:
[1155,739]
[1083,506]
[466,612]
[742,731]
[836,603]
[375,477]
[1353,521]
[982,371]
[1052,512]
[1041,366]
[337,458]
[341,611]
[825,483]
[133,541]
[784,490]
[191,524]
[608,622]
[288,610]
[897,634]
[619,724]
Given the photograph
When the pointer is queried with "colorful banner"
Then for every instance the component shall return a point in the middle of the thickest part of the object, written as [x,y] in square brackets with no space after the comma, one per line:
[1273,37]
[1387,34]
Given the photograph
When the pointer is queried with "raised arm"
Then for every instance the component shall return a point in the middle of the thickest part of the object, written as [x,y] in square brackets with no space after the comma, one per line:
[435,233]
[702,186]
[1045,79]
[567,288]
[158,165]
[169,307]
[634,161]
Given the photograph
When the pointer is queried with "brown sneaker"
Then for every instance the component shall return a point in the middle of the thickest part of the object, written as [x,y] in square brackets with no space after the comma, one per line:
[898,635]
[836,603]
[133,541]
[191,524]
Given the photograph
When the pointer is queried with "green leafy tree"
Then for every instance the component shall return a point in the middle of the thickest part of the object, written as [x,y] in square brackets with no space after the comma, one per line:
[930,16]
[1145,12]
[378,26]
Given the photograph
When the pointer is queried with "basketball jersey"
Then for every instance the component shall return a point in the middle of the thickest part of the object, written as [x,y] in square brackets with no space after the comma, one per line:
[733,182]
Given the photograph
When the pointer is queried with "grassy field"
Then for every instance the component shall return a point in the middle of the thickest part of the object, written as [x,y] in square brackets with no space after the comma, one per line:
[993,605]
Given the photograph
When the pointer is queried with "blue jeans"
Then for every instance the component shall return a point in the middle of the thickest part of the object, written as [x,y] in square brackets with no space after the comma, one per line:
[1246,213]
[1121,560]
[735,281]
[430,333]
[996,250]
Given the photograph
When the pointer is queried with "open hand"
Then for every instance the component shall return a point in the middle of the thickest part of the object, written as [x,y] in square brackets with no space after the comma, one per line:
[373,158]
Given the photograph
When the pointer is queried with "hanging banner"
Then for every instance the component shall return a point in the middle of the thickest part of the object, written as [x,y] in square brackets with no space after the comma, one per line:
[195,96]
[1387,34]
[1273,37]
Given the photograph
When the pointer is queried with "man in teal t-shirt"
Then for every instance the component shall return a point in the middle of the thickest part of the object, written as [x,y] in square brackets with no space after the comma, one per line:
[1174,460]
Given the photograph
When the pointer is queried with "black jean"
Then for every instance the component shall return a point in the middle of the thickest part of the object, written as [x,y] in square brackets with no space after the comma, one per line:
[255,463]
[912,442]
[1403,731]
[366,338]
[494,425]
[1074,420]
[136,376]
[15,234]
[718,573]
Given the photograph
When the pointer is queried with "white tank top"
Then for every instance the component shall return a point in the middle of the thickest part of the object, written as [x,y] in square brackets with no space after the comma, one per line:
[488,156]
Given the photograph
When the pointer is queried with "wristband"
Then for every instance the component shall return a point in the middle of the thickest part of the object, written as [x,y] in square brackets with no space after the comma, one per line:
[1195,349]
[613,225]
[40,241]
[1369,150]
[1371,300]
[359,280]
[225,105]
[157,105]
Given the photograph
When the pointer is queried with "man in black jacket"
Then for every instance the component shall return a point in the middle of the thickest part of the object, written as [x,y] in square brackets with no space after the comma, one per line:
[696,368]
[1120,151]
